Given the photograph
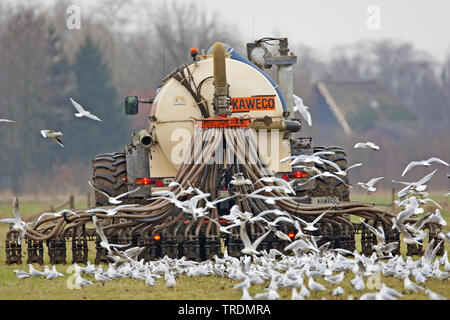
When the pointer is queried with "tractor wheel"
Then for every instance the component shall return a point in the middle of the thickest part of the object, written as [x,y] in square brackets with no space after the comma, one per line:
[332,186]
[110,173]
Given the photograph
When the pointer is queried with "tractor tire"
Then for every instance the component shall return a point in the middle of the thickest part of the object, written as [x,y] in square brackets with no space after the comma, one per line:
[110,173]
[332,186]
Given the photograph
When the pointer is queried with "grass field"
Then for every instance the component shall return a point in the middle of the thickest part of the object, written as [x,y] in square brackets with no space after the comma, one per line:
[208,288]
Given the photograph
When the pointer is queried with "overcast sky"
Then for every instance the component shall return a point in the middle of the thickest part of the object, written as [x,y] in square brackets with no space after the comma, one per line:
[325,23]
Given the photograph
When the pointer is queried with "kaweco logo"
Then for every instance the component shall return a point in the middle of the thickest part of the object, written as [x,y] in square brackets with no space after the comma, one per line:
[245,104]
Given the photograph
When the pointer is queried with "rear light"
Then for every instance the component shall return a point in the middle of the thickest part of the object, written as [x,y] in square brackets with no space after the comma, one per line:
[285,177]
[298,174]
[141,180]
[154,182]
[224,188]
[157,237]
[124,179]
[291,235]
[159,183]
[144,181]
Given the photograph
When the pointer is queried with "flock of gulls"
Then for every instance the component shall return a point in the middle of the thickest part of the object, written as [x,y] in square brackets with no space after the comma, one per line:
[274,270]
[304,268]
[303,262]
[56,135]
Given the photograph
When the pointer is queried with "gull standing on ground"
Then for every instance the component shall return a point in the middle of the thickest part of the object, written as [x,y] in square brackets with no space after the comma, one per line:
[80,282]
[35,273]
[338,291]
[366,145]
[53,134]
[100,277]
[434,296]
[114,200]
[82,112]
[169,279]
[300,107]
[335,279]
[411,286]
[425,163]
[296,295]
[315,286]
[370,185]
[21,274]
[246,295]
[53,274]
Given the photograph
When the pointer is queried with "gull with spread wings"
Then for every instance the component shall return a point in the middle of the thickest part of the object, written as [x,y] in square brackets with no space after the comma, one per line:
[53,134]
[104,243]
[425,163]
[250,248]
[114,200]
[82,112]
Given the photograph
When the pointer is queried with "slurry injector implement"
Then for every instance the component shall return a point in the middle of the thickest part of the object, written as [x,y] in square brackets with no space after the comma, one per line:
[212,161]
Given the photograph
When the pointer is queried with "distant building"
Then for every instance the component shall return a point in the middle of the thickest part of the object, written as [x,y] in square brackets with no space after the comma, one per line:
[356,107]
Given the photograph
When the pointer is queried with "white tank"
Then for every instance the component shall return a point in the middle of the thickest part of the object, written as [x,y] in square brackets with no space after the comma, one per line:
[175,110]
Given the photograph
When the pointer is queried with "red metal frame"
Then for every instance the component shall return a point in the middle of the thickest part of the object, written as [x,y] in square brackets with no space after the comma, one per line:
[222,122]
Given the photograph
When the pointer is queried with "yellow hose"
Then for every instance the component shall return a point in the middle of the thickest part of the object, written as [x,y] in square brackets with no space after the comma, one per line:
[220,77]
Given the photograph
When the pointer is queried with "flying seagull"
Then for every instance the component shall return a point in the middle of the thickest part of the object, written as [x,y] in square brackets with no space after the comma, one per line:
[310,225]
[238,179]
[418,186]
[8,121]
[53,134]
[345,171]
[17,223]
[370,185]
[366,145]
[329,175]
[250,248]
[104,243]
[425,163]
[56,214]
[114,200]
[300,107]
[112,211]
[82,112]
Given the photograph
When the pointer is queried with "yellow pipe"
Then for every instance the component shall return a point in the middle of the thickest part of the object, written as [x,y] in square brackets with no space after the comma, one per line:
[220,77]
